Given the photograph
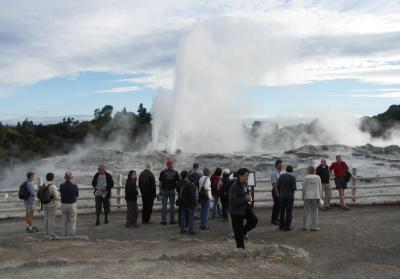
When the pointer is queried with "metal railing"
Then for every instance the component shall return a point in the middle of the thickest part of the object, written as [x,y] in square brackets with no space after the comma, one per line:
[361,193]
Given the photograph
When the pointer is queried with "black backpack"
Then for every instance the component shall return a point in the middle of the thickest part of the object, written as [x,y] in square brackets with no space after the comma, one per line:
[44,194]
[23,193]
[203,195]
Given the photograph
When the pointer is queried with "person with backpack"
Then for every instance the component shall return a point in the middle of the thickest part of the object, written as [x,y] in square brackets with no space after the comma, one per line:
[168,181]
[324,173]
[195,175]
[188,198]
[131,193]
[102,183]
[275,194]
[224,193]
[216,185]
[240,209]
[342,176]
[147,186]
[27,194]
[48,196]
[286,188]
[204,198]
[69,195]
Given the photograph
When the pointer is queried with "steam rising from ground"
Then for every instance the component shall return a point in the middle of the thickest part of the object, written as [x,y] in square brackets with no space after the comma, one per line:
[215,63]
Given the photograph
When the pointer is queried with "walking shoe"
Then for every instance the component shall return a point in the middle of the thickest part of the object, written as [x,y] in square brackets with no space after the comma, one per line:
[289,229]
[172,223]
[191,232]
[32,230]
[346,208]
[275,223]
[163,223]
[315,229]
[304,229]
[127,225]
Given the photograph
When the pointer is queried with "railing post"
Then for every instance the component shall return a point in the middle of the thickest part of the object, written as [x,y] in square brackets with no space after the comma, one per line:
[119,187]
[354,184]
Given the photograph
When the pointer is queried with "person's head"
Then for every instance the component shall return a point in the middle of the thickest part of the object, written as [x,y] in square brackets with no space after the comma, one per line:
[243,175]
[148,166]
[289,169]
[311,170]
[68,176]
[218,172]
[207,172]
[50,176]
[102,169]
[195,167]
[170,164]
[323,162]
[184,174]
[278,165]
[132,175]
[31,176]
[339,158]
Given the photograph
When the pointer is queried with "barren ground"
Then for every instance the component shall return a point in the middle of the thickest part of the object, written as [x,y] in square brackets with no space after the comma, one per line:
[361,243]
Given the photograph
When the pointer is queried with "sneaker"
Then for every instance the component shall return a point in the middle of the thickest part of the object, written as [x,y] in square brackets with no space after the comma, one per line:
[246,237]
[32,230]
[275,223]
[289,229]
[346,208]
[315,229]
[127,225]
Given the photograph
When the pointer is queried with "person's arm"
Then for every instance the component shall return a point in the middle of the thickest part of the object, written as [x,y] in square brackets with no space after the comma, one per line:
[319,187]
[207,187]
[274,181]
[76,191]
[153,185]
[294,184]
[94,180]
[160,179]
[346,167]
[110,182]
[303,190]
[31,190]
[56,196]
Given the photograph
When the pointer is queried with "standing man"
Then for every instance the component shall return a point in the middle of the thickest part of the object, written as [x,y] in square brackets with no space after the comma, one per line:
[69,194]
[240,210]
[324,173]
[168,181]
[286,188]
[275,194]
[340,168]
[147,186]
[27,193]
[195,175]
[102,183]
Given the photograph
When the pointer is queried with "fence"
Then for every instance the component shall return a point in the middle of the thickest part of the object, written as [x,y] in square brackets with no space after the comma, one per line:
[364,190]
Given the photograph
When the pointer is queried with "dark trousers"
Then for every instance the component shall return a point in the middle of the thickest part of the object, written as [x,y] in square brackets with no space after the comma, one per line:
[240,230]
[275,208]
[186,218]
[147,210]
[132,212]
[286,207]
[102,203]
[225,204]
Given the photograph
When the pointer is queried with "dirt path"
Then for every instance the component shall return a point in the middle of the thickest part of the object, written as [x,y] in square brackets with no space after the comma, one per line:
[362,243]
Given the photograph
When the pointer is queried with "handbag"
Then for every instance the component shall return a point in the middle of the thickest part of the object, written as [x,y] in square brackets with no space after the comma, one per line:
[203,195]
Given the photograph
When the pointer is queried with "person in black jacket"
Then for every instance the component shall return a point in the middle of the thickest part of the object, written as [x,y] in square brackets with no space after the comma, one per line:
[286,187]
[131,193]
[240,210]
[168,181]
[324,173]
[147,185]
[224,193]
[102,183]
[188,198]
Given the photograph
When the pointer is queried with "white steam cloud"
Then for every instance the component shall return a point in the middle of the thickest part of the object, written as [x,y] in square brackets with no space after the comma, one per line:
[215,64]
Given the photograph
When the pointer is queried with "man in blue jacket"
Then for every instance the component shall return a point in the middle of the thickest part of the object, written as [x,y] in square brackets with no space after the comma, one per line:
[286,187]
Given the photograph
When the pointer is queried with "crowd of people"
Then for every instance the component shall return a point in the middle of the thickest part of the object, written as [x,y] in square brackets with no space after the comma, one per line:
[227,192]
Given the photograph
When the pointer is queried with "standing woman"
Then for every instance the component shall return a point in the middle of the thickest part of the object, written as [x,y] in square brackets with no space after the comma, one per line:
[311,194]
[204,198]
[216,184]
[131,193]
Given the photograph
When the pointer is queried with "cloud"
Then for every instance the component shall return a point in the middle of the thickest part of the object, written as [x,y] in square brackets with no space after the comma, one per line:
[46,39]
[394,95]
[125,89]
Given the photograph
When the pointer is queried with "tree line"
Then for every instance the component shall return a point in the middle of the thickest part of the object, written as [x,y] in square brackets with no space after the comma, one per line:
[27,140]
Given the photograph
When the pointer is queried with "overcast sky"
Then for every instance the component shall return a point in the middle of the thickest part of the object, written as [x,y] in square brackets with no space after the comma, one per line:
[68,58]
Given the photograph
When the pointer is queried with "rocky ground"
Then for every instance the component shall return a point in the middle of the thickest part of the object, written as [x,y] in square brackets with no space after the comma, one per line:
[361,243]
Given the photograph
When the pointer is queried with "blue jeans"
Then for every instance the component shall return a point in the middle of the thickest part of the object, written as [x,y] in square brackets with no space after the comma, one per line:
[216,209]
[205,206]
[168,195]
[187,214]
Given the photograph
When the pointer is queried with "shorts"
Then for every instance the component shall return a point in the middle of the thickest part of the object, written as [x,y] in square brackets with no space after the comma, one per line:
[340,183]
[29,207]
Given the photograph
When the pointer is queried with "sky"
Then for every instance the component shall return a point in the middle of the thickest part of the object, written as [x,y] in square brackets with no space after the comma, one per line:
[67,58]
